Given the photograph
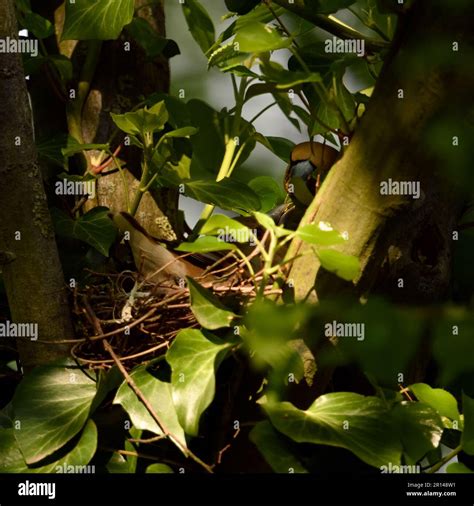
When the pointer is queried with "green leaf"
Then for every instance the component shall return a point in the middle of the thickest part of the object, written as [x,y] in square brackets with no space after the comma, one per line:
[63,65]
[159,469]
[159,394]
[269,191]
[241,6]
[226,194]
[265,221]
[144,121]
[90,19]
[200,24]
[182,132]
[345,266]
[347,420]
[321,234]
[331,6]
[207,308]
[458,468]
[52,404]
[40,27]
[274,449]
[227,229]
[153,43]
[467,438]
[206,245]
[12,460]
[440,400]
[257,37]
[94,228]
[281,147]
[285,79]
[194,358]
[74,148]
[420,428]
[118,464]
[227,58]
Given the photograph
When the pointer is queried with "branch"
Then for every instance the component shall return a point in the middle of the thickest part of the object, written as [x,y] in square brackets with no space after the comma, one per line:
[96,323]
[331,25]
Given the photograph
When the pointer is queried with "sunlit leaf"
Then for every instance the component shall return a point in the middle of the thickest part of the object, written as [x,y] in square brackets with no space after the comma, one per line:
[257,37]
[159,394]
[194,358]
[345,266]
[199,23]
[440,400]
[207,308]
[89,19]
[359,424]
[52,403]
[320,234]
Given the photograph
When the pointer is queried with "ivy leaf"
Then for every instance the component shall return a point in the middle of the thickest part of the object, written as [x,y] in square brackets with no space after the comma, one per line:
[440,400]
[257,37]
[226,194]
[159,469]
[284,79]
[207,308]
[280,146]
[182,132]
[221,225]
[52,403]
[144,121]
[274,449]
[200,24]
[94,228]
[347,420]
[458,468]
[92,20]
[467,438]
[81,454]
[321,234]
[153,43]
[420,428]
[206,245]
[241,6]
[40,27]
[269,191]
[159,394]
[331,6]
[345,266]
[194,358]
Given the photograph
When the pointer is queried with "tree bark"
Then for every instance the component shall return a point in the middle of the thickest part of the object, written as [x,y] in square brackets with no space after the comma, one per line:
[33,276]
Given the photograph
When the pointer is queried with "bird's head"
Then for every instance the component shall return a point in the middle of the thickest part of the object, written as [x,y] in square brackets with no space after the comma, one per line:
[309,164]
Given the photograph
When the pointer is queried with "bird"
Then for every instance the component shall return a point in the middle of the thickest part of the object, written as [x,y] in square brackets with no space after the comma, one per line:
[308,166]
[156,263]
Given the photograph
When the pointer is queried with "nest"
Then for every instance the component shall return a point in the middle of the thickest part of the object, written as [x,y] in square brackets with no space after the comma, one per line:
[140,320]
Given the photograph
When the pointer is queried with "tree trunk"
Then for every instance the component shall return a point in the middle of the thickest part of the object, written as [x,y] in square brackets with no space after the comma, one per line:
[404,244]
[33,276]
